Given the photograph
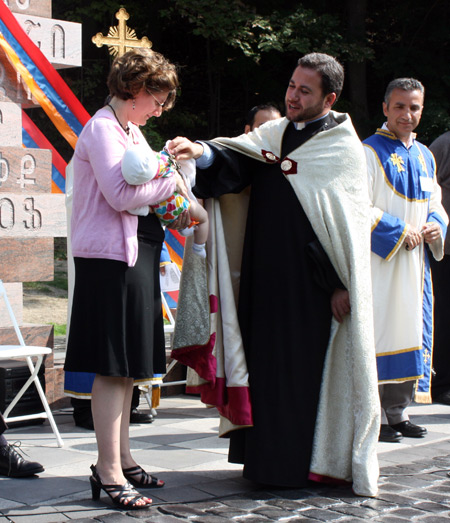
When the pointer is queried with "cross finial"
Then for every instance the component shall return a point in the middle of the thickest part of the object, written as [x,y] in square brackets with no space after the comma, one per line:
[120,38]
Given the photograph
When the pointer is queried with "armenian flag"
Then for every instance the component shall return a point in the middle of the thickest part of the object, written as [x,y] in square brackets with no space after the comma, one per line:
[45,84]
[33,138]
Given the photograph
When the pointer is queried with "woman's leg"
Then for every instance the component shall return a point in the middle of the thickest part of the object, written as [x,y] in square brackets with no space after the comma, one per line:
[140,477]
[108,398]
[111,401]
[125,453]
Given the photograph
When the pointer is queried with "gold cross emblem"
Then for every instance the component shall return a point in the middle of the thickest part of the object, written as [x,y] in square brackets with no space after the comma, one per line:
[426,356]
[422,162]
[397,161]
[120,38]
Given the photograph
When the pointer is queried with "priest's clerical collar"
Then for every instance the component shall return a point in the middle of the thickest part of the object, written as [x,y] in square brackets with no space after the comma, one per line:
[301,125]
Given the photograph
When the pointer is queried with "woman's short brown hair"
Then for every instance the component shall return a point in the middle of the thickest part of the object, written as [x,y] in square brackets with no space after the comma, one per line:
[142,69]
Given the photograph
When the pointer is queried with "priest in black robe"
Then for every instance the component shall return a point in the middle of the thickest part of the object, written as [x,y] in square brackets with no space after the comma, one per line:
[306,232]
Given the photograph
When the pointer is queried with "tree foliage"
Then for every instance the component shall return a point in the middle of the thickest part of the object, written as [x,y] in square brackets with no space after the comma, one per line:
[233,54]
[298,30]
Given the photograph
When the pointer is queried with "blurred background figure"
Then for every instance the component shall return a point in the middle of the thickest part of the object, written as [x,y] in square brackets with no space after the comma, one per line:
[440,390]
[261,114]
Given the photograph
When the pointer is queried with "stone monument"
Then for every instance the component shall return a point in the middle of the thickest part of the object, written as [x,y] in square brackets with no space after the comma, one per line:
[30,214]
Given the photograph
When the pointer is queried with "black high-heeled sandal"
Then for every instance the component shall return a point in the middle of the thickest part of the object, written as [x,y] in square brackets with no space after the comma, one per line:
[145,479]
[124,496]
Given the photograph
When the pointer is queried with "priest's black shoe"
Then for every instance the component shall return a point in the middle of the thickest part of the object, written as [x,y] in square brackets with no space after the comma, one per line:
[14,466]
[409,430]
[137,416]
[389,435]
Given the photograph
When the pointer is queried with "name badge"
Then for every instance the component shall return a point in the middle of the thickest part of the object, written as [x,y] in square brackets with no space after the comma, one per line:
[426,184]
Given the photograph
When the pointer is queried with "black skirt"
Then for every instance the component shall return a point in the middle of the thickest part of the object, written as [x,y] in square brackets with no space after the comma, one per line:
[116,326]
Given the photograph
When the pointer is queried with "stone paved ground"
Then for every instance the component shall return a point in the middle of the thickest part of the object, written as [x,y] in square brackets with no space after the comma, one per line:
[181,447]
[417,492]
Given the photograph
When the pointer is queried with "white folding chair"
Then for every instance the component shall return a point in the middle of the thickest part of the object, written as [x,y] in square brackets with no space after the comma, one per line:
[27,351]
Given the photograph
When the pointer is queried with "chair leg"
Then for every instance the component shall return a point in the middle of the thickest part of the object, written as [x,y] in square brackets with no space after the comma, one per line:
[45,404]
[34,371]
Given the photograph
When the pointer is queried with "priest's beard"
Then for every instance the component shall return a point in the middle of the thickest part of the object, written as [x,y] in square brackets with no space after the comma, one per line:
[305,114]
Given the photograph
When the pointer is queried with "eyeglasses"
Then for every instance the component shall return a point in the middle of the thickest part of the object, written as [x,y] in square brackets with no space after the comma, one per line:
[158,103]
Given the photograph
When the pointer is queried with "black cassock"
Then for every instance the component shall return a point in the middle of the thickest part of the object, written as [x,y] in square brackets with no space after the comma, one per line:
[284,315]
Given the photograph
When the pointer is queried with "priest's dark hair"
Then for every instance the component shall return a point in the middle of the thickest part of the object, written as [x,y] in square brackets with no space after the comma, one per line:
[406,84]
[329,68]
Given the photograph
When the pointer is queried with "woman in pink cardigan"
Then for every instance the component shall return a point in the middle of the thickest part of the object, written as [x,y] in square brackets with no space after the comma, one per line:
[116,328]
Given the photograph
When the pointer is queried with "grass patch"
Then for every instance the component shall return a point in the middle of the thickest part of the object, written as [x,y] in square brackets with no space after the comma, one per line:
[47,288]
[59,329]
[60,282]
[38,286]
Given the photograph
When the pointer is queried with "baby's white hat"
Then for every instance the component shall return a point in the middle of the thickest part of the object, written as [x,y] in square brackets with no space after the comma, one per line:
[139,165]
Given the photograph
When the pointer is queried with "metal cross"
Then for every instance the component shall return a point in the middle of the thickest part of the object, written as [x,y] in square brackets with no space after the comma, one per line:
[120,38]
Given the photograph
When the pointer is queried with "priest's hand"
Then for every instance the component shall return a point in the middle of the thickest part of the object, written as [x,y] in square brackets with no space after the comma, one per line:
[431,232]
[184,149]
[340,304]
[412,238]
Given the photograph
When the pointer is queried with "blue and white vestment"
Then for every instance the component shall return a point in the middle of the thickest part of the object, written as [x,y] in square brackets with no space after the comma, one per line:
[403,191]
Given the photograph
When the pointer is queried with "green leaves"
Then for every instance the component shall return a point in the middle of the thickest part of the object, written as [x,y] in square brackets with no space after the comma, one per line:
[236,24]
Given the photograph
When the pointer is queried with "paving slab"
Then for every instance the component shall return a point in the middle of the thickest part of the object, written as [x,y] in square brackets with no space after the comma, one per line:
[182,448]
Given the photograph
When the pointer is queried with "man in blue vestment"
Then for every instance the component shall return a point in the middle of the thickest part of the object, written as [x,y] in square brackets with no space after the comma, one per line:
[408,224]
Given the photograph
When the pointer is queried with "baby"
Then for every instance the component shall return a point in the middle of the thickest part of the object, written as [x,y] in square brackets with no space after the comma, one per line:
[141,164]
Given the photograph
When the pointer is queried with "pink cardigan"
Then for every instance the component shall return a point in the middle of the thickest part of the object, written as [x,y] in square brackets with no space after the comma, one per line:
[101,227]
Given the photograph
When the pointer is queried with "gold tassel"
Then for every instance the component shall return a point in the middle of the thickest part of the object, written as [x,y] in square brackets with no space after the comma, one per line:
[423,397]
[156,396]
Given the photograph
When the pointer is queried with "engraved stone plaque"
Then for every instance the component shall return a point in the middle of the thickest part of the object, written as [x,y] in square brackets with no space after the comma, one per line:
[59,41]
[31,7]
[25,170]
[32,215]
